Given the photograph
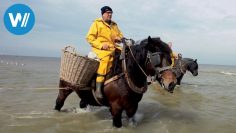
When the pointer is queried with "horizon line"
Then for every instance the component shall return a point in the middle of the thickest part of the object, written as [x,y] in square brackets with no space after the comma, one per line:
[60,57]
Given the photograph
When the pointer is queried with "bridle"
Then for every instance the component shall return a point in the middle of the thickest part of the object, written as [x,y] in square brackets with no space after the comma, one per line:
[149,59]
[152,58]
[155,60]
[160,71]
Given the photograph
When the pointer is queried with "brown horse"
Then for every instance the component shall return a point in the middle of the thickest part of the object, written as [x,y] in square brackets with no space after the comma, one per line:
[124,93]
[166,76]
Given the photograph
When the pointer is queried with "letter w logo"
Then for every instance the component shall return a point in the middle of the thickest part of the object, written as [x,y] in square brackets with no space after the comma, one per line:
[14,22]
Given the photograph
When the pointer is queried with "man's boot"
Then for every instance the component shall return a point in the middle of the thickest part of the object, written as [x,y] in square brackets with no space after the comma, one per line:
[98,91]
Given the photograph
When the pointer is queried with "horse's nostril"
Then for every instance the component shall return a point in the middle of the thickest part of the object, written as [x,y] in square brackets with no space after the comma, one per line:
[172,86]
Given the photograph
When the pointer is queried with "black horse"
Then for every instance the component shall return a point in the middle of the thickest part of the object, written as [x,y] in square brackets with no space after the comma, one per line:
[185,64]
[125,92]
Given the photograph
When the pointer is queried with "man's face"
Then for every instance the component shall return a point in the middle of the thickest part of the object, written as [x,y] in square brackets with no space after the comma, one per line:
[107,16]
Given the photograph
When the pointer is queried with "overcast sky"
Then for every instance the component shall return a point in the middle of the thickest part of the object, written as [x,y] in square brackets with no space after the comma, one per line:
[201,29]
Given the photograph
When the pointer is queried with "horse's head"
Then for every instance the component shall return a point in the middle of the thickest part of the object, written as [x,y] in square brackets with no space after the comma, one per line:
[143,54]
[160,59]
[193,67]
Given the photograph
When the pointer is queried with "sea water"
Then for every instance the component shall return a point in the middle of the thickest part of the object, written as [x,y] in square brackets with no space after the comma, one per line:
[29,88]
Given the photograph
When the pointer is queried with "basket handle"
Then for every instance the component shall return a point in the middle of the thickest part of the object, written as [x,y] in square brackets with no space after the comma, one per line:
[70,49]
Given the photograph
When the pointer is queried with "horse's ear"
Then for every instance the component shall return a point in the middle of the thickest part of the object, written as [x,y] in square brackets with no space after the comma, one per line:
[195,60]
[149,39]
[150,43]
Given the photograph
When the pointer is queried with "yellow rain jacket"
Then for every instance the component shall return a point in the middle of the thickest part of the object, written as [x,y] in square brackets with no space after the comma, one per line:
[174,55]
[100,33]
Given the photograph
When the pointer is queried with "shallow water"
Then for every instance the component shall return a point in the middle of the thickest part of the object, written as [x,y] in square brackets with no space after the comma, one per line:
[204,104]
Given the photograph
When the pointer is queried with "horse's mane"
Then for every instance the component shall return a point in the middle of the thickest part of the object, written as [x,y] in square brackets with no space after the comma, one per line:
[163,47]
[188,63]
[188,59]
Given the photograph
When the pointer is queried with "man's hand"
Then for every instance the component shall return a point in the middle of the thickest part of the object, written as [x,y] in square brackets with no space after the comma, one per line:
[175,55]
[117,39]
[105,46]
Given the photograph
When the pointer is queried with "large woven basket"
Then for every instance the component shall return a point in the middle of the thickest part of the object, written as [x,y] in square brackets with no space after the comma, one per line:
[76,70]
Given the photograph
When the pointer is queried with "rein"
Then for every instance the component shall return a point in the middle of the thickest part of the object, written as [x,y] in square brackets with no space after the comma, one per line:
[137,62]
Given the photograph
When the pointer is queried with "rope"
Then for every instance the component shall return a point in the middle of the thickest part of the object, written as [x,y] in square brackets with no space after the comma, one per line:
[137,61]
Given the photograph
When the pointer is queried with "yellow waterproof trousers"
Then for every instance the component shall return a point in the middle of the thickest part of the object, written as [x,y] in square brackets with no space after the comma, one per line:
[104,67]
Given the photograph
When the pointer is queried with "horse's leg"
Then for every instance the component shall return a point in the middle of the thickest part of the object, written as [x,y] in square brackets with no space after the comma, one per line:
[62,95]
[116,112]
[83,102]
[179,79]
[130,112]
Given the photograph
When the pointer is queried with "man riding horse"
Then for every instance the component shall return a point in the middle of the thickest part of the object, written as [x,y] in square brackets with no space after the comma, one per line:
[138,62]
[103,36]
[125,92]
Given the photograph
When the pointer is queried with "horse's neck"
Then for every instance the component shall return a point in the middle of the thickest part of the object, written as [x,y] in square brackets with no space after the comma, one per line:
[136,75]
[187,62]
[134,71]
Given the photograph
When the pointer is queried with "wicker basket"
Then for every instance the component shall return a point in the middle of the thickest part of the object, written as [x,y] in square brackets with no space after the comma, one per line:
[76,70]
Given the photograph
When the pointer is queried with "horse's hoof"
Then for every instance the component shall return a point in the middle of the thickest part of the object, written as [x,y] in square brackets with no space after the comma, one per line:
[132,123]
[117,124]
[83,104]
[57,108]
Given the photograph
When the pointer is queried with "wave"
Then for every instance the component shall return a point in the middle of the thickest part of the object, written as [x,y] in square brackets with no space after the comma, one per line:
[76,110]
[228,73]
[86,110]
[6,88]
[33,115]
[219,72]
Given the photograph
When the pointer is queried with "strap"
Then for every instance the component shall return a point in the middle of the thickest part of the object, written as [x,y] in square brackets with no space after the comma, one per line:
[113,78]
[160,69]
